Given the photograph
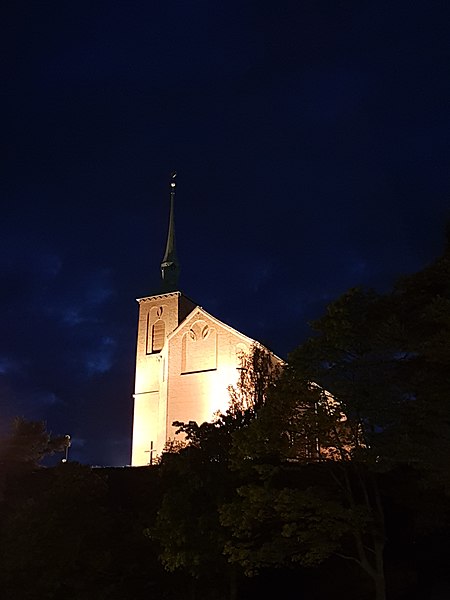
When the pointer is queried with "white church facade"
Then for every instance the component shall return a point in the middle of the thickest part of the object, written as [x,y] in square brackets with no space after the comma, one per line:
[185,361]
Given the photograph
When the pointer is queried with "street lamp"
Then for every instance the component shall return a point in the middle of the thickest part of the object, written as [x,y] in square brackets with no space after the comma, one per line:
[66,448]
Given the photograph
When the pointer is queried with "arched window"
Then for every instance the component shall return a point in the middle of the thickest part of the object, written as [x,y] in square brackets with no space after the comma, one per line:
[199,348]
[158,335]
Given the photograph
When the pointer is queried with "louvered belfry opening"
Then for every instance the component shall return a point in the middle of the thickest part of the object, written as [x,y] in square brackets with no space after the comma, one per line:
[158,335]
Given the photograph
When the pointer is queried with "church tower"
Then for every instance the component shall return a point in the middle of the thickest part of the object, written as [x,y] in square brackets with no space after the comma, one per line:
[185,360]
[159,316]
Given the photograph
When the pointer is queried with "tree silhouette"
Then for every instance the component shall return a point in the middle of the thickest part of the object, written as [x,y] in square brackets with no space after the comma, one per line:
[29,442]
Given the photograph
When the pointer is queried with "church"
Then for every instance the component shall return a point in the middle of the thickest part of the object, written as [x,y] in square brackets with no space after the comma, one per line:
[185,360]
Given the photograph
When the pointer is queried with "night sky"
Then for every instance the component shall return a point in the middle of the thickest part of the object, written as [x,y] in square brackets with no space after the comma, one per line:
[312,145]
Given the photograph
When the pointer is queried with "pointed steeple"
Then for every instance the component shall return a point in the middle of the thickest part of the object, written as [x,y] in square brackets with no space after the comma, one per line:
[170,269]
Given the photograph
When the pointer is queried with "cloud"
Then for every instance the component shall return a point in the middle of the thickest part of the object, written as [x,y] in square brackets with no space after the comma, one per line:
[77,442]
[45,399]
[71,316]
[8,365]
[77,297]
[100,359]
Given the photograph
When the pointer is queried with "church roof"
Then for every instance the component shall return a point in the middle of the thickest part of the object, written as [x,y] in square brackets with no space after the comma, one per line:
[162,295]
[199,312]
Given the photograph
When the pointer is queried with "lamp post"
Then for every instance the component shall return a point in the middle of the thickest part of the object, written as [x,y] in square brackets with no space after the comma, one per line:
[66,448]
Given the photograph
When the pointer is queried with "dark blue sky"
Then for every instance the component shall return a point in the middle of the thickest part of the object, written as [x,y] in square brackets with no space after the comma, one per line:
[312,144]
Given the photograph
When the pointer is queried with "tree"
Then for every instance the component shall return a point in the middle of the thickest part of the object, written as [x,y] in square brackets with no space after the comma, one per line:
[197,478]
[421,304]
[385,360]
[259,368]
[26,446]
[305,498]
[29,443]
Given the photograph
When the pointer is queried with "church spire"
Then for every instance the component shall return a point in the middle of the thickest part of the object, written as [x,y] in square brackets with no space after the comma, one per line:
[170,269]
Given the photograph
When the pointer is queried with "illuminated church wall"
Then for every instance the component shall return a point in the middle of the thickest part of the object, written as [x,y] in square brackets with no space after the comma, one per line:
[203,363]
[187,378]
